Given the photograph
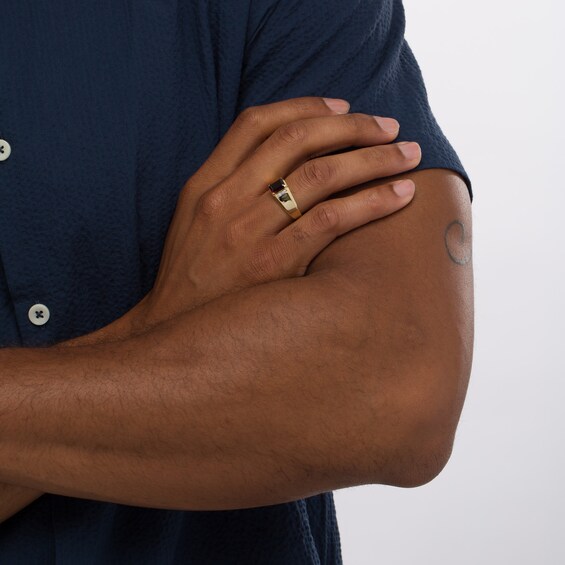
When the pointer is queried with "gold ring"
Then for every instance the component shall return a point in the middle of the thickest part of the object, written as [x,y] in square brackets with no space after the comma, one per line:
[282,194]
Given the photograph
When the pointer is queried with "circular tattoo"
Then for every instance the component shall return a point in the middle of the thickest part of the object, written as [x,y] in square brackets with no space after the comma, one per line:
[458,249]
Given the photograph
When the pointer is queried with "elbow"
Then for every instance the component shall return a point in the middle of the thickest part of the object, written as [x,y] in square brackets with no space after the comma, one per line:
[416,467]
[420,437]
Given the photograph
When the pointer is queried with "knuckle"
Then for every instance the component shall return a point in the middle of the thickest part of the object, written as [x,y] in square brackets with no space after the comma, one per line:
[291,133]
[355,121]
[298,234]
[301,105]
[210,204]
[325,217]
[375,197]
[262,265]
[375,156]
[250,118]
[318,172]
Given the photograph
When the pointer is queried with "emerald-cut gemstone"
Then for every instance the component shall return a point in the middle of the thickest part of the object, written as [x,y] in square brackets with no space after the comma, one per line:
[277,185]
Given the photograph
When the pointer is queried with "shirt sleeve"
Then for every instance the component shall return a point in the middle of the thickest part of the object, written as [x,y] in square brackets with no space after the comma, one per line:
[351,49]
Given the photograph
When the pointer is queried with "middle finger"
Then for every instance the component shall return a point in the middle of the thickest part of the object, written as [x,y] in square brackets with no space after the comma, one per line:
[295,142]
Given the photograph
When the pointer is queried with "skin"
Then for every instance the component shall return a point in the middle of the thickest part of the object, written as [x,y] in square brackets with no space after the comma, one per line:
[342,366]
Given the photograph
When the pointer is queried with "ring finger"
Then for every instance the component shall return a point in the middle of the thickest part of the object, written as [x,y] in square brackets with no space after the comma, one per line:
[318,178]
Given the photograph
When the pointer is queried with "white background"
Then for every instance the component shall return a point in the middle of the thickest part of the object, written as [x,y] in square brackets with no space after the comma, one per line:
[494,71]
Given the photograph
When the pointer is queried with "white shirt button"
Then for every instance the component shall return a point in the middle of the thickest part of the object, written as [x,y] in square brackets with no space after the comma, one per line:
[5,149]
[38,314]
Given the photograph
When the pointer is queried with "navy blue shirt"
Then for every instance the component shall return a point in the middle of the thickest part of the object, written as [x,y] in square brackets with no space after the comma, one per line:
[108,107]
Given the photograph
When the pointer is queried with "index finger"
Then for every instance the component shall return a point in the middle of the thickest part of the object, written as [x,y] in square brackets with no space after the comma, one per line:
[250,129]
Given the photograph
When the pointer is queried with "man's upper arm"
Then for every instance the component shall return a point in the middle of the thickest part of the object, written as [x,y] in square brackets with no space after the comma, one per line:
[411,274]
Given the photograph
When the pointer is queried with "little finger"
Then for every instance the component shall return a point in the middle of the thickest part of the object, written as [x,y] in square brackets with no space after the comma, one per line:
[300,242]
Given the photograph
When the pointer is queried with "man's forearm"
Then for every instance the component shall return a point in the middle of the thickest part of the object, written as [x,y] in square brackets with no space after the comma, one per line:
[14,498]
[255,398]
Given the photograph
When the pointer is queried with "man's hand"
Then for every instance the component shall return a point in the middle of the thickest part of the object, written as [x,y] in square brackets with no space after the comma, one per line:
[227,233]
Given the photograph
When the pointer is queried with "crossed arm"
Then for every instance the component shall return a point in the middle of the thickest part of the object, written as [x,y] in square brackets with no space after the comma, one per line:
[355,373]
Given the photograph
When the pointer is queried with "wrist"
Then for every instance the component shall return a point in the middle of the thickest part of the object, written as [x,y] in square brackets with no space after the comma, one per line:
[126,326]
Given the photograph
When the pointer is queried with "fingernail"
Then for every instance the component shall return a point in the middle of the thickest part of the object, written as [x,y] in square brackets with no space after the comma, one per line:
[404,187]
[337,105]
[390,125]
[410,149]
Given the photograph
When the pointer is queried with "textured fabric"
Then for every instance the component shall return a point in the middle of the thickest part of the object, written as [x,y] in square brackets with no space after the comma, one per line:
[109,106]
